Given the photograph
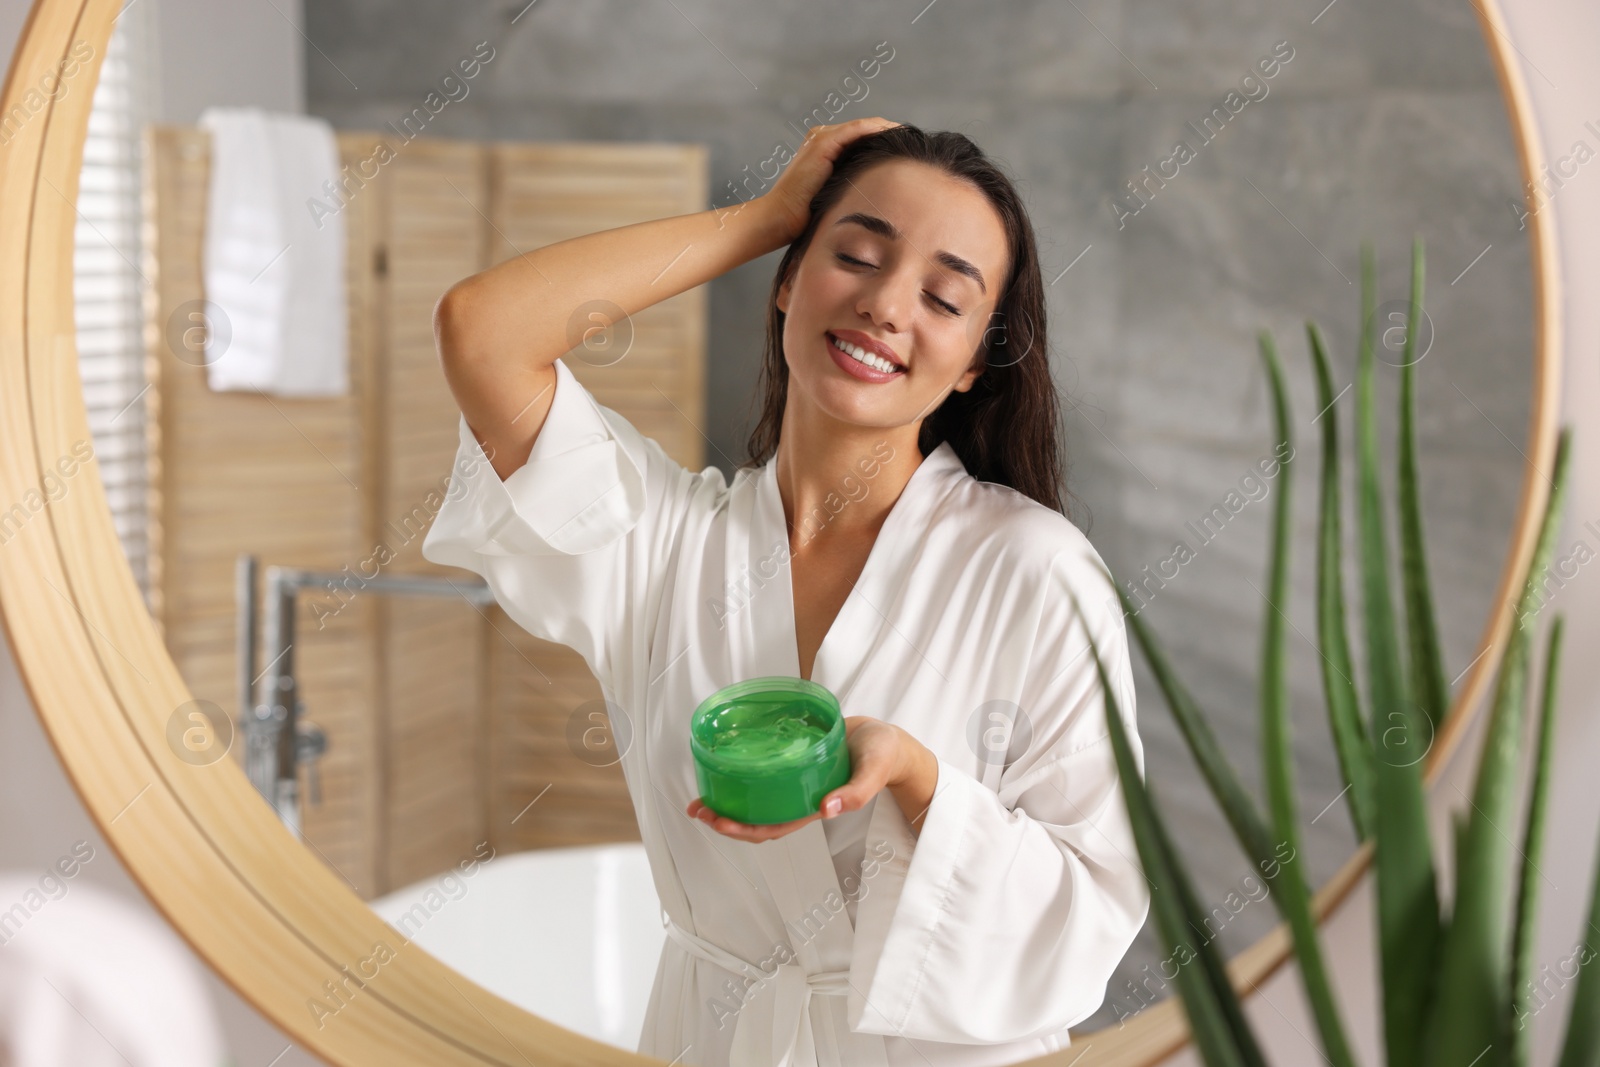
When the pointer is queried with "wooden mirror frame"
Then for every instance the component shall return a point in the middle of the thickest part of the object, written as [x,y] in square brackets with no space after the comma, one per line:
[263,912]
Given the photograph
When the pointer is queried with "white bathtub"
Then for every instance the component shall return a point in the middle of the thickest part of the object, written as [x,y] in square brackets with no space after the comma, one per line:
[571,934]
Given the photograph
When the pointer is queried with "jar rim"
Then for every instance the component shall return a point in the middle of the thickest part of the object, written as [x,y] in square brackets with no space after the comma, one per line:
[819,696]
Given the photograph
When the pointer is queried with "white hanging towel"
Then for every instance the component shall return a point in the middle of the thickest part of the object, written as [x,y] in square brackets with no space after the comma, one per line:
[273,268]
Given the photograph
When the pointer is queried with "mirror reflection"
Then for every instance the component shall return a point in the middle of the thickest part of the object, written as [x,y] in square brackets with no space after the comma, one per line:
[395,543]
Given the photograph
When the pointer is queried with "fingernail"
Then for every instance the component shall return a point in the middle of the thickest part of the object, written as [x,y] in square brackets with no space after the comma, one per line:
[831,808]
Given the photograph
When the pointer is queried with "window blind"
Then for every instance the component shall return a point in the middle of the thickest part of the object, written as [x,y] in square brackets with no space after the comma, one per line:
[110,284]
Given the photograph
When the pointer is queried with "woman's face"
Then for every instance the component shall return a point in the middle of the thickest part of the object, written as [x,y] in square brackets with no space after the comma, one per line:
[911,258]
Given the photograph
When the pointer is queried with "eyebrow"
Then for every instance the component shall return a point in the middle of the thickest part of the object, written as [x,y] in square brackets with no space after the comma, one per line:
[885,228]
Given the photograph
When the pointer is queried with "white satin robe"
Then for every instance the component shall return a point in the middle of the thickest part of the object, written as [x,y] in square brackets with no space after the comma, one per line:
[849,941]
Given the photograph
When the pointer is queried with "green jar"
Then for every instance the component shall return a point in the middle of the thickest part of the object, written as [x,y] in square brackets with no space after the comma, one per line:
[767,750]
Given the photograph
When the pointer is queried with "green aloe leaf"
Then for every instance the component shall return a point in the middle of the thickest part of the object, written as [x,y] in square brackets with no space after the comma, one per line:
[1217,1021]
[1338,673]
[1582,1045]
[1473,998]
[1470,1014]
[1428,687]
[1237,806]
[1407,889]
[1532,850]
[1277,743]
[1458,831]
[1386,683]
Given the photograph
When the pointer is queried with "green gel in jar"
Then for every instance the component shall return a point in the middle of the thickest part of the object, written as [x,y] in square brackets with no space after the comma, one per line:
[767,750]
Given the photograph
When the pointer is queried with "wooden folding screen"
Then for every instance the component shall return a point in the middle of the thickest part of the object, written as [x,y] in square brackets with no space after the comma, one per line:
[450,728]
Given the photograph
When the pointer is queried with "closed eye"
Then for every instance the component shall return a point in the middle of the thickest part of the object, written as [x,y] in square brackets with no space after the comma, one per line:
[946,305]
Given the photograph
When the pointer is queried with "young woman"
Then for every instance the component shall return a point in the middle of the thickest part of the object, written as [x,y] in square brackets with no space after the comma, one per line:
[897,536]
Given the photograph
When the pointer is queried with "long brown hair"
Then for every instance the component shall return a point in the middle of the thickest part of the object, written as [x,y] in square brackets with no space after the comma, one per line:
[1006,428]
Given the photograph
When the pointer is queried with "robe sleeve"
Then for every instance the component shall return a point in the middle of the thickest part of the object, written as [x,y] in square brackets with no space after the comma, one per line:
[573,543]
[1006,917]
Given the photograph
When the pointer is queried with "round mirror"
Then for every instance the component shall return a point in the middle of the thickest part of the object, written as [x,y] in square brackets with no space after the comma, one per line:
[411,831]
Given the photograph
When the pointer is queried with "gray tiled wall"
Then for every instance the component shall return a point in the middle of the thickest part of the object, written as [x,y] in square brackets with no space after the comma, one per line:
[1386,122]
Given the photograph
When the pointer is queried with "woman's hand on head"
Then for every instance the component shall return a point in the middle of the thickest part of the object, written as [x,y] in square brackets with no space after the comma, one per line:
[877,759]
[790,197]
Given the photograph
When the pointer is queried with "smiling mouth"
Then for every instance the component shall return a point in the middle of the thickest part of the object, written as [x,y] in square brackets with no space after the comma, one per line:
[862,356]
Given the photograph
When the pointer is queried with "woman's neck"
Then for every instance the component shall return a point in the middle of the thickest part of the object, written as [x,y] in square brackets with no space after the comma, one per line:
[841,480]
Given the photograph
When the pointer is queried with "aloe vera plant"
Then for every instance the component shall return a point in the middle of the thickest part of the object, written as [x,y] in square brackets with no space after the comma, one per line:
[1456,990]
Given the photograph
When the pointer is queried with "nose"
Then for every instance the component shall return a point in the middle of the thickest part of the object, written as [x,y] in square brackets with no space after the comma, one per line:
[886,300]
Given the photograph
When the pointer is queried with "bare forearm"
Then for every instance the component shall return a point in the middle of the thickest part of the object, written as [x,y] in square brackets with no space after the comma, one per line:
[520,311]
[913,787]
